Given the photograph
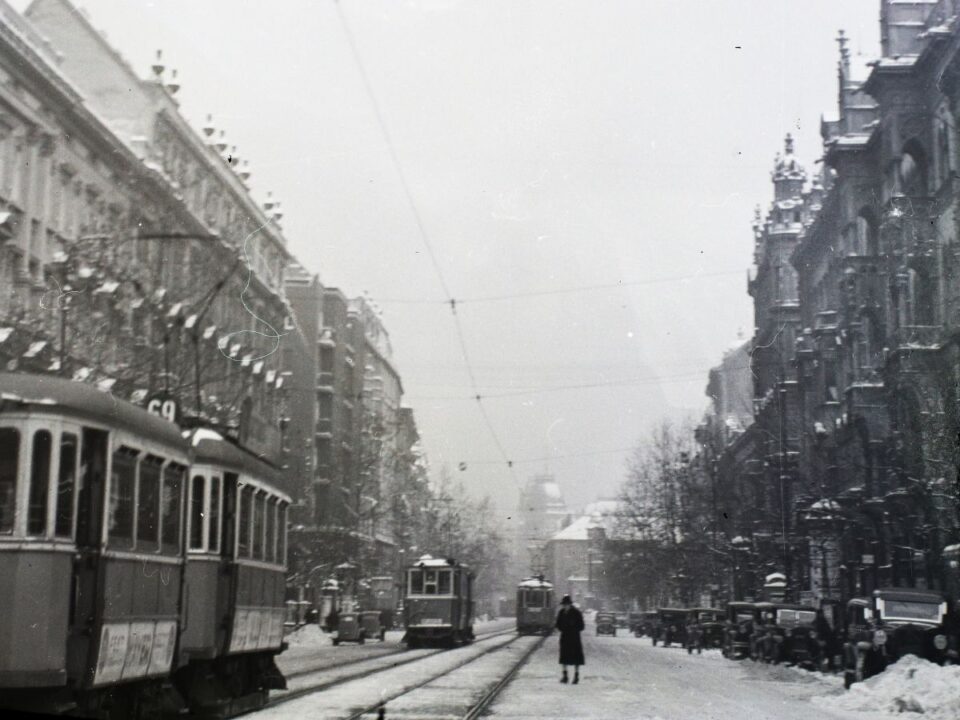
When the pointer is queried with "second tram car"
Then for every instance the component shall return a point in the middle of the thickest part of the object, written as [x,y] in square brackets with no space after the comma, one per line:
[160,559]
[535,609]
[438,602]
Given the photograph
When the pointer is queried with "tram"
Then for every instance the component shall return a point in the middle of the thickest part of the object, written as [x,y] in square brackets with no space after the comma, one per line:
[160,558]
[535,609]
[438,602]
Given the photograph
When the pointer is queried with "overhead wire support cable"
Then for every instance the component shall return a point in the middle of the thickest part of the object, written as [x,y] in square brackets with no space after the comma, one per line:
[424,236]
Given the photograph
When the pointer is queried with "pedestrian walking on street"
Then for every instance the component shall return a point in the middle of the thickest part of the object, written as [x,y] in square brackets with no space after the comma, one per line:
[570,625]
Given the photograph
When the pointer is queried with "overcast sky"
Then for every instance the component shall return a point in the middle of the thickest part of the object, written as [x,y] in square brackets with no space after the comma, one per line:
[547,146]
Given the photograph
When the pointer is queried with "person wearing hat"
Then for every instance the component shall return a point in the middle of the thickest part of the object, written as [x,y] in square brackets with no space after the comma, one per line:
[570,625]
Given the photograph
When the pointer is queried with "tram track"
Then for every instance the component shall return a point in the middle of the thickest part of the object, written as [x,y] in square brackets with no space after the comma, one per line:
[295,694]
[482,703]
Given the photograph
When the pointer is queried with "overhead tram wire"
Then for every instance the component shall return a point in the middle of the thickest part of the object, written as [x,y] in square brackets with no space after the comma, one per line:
[424,236]
[558,291]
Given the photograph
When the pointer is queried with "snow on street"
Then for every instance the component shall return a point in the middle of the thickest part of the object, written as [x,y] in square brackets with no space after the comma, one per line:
[626,677]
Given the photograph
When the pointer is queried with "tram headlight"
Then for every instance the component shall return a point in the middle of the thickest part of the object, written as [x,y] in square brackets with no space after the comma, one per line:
[940,642]
[880,637]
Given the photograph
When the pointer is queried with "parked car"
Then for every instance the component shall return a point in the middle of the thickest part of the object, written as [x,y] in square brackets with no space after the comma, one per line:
[894,622]
[648,624]
[371,623]
[622,620]
[672,626]
[763,624]
[349,629]
[704,629]
[635,622]
[791,636]
[606,623]
[738,628]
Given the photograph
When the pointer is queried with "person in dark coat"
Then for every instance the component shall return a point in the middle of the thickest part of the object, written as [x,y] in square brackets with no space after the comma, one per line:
[570,625]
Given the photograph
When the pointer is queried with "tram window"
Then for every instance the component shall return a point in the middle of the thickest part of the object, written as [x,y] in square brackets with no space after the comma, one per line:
[9,452]
[534,599]
[430,582]
[196,512]
[443,582]
[66,480]
[416,582]
[39,483]
[123,474]
[171,504]
[282,533]
[213,539]
[258,522]
[243,534]
[270,555]
[148,504]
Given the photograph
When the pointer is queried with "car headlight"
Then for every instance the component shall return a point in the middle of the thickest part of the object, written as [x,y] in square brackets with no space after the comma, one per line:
[940,642]
[673,628]
[813,634]
[879,637]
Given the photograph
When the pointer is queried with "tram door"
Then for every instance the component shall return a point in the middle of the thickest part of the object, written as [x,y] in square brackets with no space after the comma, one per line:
[90,495]
[229,572]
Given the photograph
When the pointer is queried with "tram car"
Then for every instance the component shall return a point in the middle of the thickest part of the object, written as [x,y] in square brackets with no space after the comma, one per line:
[536,613]
[159,557]
[438,602]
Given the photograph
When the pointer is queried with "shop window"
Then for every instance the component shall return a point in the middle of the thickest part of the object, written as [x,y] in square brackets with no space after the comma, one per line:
[196,512]
[123,474]
[148,504]
[9,456]
[66,484]
[171,507]
[39,483]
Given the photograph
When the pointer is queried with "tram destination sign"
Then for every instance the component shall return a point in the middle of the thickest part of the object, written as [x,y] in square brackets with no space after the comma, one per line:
[164,405]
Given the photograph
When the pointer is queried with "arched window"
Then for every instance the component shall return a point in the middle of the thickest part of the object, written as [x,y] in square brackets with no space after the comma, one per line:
[922,299]
[913,171]
[867,242]
[944,150]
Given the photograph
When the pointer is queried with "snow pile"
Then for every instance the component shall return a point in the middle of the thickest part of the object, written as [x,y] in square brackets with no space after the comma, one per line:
[911,685]
[309,635]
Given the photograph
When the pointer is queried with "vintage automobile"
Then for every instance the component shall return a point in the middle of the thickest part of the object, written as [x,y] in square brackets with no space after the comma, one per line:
[704,629]
[672,626]
[648,624]
[791,636]
[371,624]
[738,628]
[634,622]
[606,623]
[622,620]
[892,623]
[766,616]
[349,629]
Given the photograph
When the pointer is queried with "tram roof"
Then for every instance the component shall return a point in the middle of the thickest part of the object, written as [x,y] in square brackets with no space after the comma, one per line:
[49,393]
[211,447]
[535,583]
[431,562]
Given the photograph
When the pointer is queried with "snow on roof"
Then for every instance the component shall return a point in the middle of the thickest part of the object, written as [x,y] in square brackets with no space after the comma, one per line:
[577,530]
[535,583]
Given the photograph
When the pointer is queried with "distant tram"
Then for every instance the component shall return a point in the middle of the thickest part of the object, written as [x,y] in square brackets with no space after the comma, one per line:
[438,602]
[535,609]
